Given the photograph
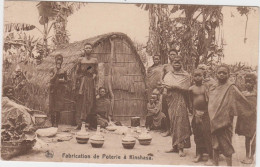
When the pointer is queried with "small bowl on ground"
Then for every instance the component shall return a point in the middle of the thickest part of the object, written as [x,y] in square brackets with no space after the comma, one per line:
[145,141]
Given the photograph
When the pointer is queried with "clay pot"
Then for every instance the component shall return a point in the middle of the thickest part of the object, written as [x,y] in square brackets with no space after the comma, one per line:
[145,138]
[135,121]
[128,141]
[40,119]
[97,140]
[111,128]
[82,136]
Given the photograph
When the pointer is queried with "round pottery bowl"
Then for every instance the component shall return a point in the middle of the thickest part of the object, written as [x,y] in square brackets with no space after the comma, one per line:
[40,119]
[111,128]
[97,143]
[145,141]
[128,145]
[82,140]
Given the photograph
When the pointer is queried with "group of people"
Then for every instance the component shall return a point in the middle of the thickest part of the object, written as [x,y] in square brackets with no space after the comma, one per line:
[90,108]
[173,94]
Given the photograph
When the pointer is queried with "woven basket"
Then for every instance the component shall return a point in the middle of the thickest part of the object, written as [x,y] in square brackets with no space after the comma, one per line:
[11,149]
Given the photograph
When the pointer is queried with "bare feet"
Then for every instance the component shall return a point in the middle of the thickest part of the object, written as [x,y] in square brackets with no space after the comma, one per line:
[181,153]
[197,159]
[247,161]
[166,134]
[210,162]
[172,151]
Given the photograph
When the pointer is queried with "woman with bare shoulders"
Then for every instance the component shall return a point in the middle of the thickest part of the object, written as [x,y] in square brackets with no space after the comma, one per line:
[86,75]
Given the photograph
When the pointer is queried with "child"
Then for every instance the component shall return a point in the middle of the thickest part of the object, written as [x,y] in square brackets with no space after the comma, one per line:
[225,102]
[161,91]
[154,116]
[200,121]
[246,126]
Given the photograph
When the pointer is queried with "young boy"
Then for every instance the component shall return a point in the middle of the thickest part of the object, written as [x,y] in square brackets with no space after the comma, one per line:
[200,121]
[246,126]
[225,102]
[154,117]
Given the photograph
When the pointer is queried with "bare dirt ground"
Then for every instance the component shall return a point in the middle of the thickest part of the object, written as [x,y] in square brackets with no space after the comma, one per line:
[113,152]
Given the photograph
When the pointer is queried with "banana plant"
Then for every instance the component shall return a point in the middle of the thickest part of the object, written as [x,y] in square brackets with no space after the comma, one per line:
[54,15]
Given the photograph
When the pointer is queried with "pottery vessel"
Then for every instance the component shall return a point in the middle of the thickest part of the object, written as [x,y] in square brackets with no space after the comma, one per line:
[40,119]
[145,138]
[97,140]
[111,128]
[135,121]
[82,136]
[128,141]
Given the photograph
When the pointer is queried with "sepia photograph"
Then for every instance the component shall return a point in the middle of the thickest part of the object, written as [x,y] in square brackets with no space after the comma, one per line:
[129,83]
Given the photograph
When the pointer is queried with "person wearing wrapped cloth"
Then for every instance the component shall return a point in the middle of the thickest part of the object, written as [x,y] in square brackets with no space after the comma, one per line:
[200,122]
[85,87]
[154,75]
[246,126]
[177,83]
[103,108]
[166,68]
[57,91]
[155,119]
[225,102]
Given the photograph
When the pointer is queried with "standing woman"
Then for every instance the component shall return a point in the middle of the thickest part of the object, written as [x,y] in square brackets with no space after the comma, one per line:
[86,76]
[58,82]
[177,82]
[154,75]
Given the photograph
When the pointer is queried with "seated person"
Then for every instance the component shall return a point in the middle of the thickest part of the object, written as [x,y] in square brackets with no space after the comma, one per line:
[103,108]
[155,116]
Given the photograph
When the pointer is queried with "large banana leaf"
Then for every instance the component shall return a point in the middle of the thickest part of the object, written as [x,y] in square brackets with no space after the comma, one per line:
[47,11]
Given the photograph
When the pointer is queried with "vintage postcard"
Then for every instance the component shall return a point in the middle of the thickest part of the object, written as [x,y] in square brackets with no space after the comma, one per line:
[118,83]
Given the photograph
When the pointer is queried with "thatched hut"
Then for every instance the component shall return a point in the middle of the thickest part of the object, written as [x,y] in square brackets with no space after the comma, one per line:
[121,71]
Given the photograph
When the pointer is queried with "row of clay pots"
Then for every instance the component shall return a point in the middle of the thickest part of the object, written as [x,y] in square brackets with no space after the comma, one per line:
[129,141]
[98,140]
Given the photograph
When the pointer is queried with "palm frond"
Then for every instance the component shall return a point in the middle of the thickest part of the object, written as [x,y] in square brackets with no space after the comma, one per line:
[18,27]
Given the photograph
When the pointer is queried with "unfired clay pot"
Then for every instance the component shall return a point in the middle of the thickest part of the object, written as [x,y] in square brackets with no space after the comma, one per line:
[97,140]
[82,136]
[145,138]
[128,141]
